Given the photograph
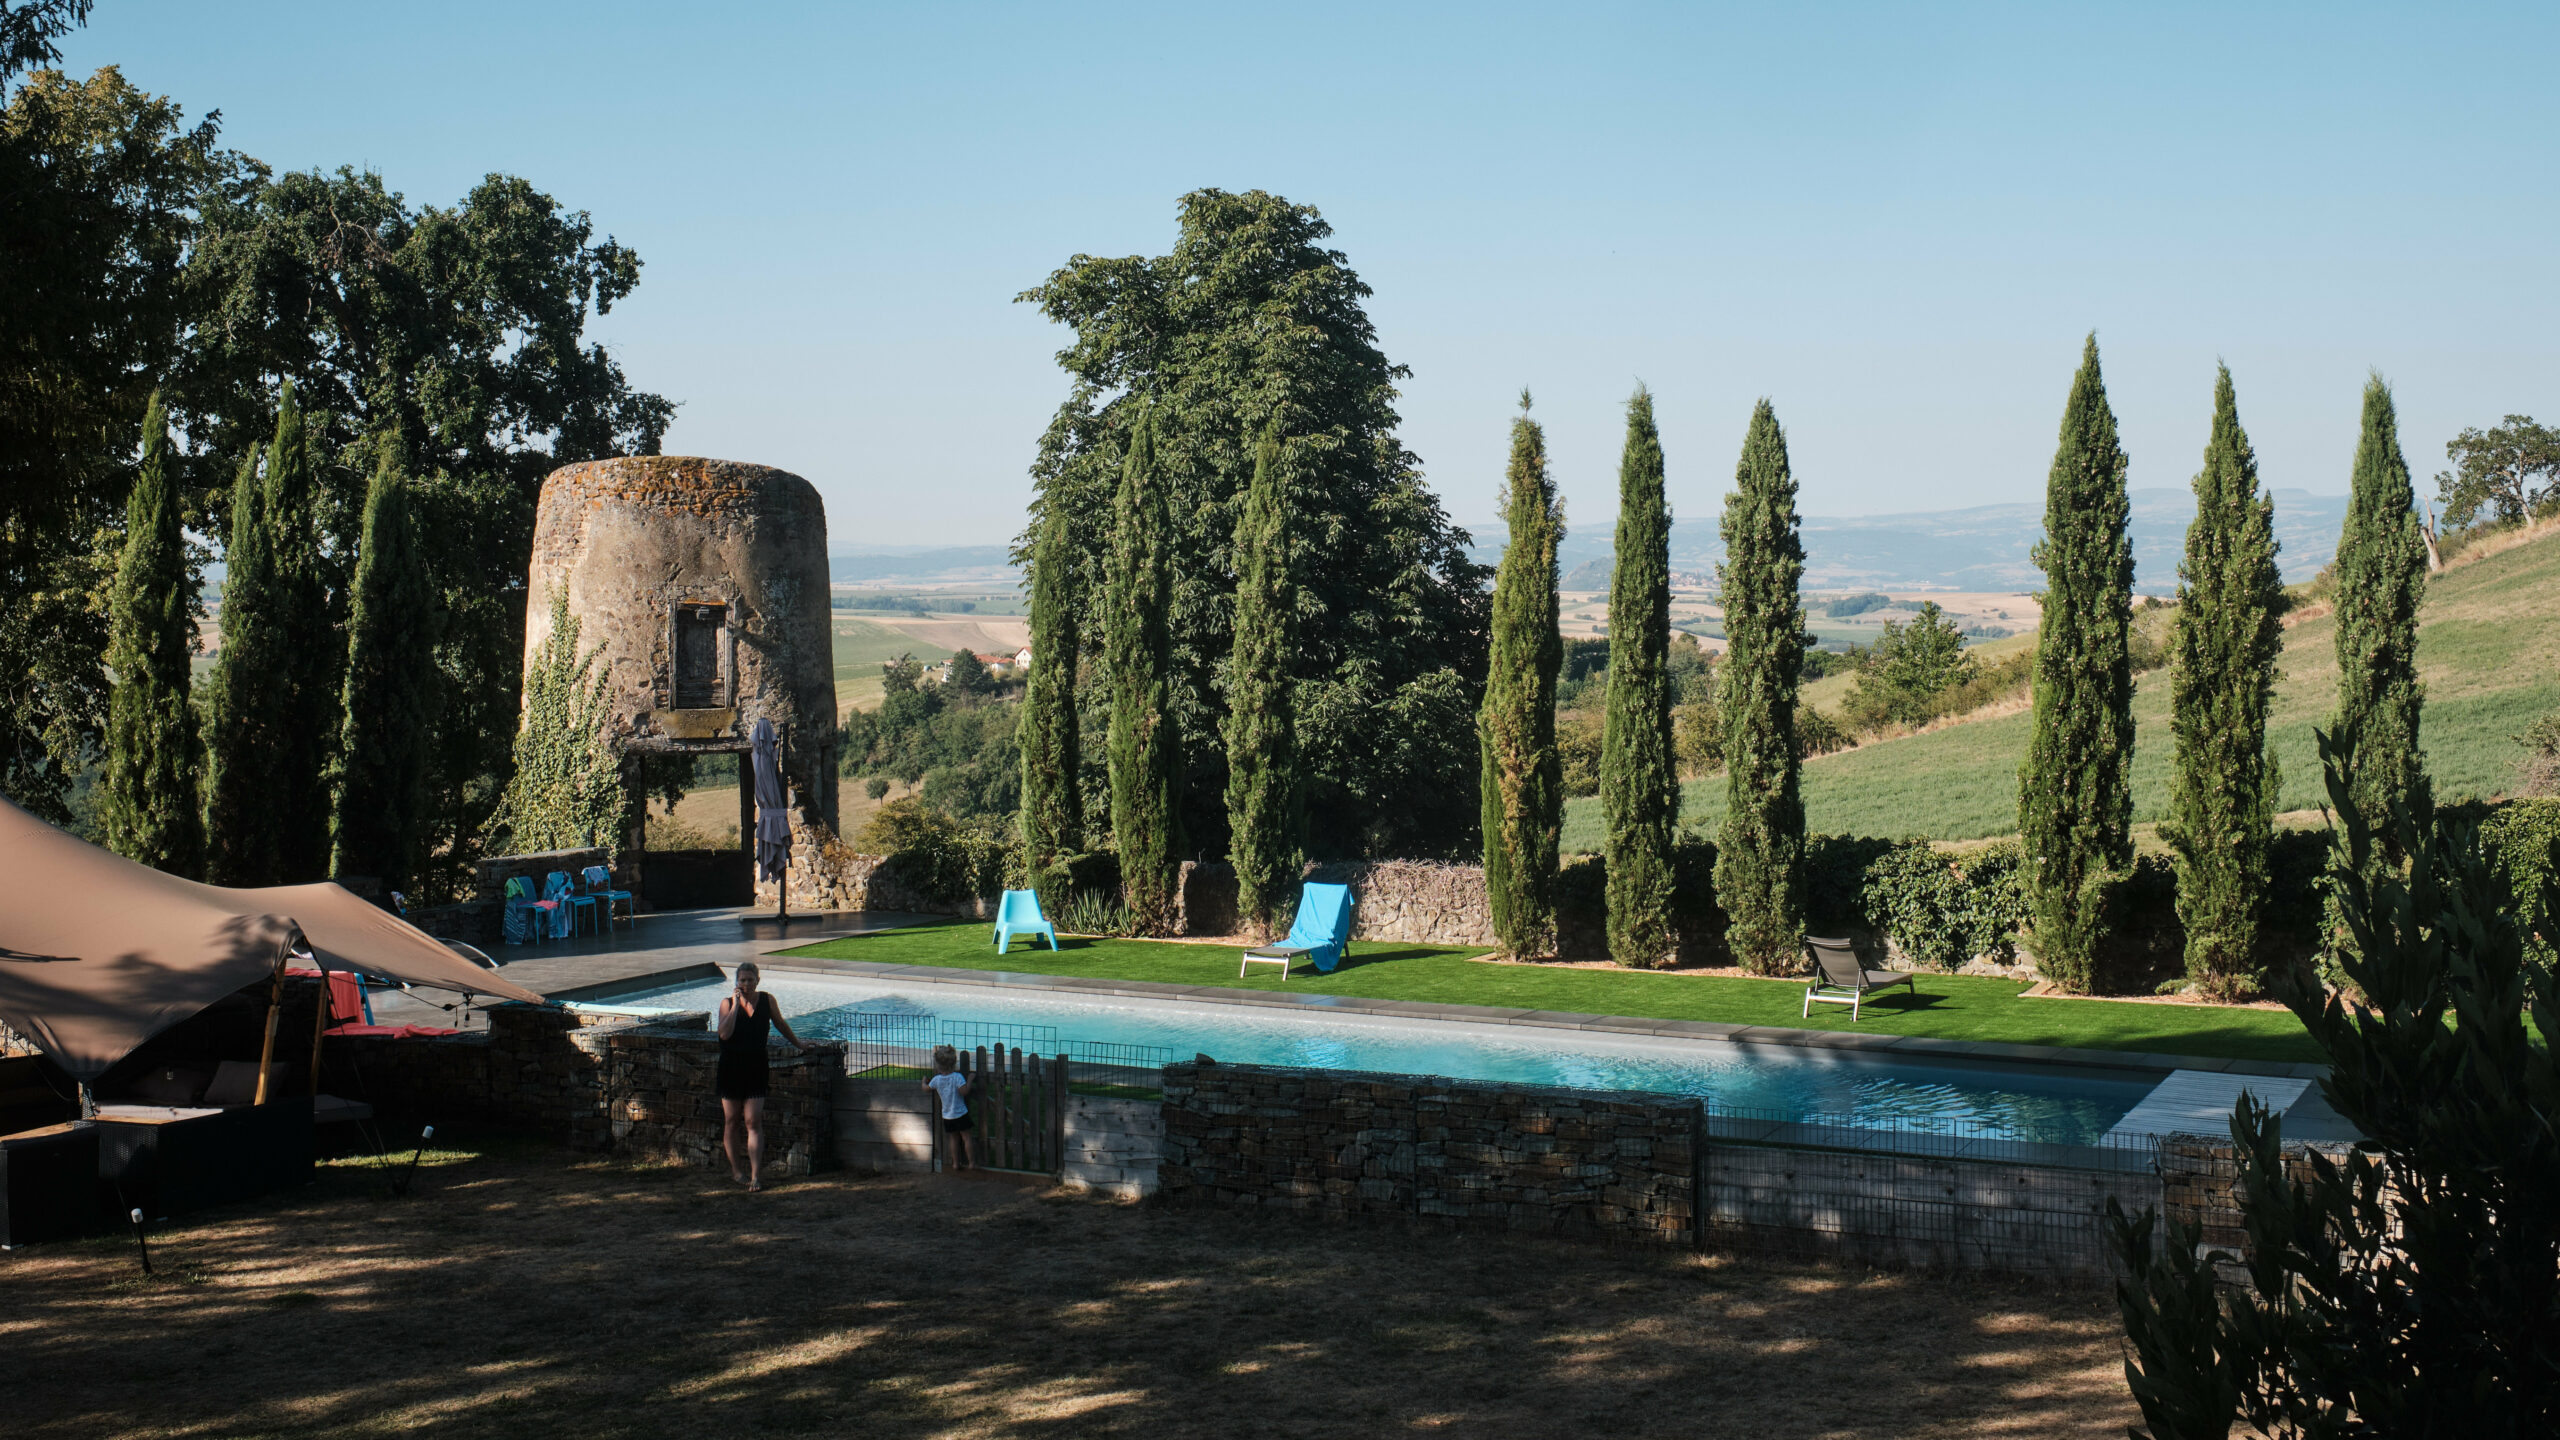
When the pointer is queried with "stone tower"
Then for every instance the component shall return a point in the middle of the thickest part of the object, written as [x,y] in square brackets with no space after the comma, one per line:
[704,585]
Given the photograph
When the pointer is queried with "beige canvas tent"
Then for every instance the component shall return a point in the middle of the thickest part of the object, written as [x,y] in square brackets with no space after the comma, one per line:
[98,954]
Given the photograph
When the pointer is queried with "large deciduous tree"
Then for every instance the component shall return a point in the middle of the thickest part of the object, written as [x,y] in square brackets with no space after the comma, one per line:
[1051,739]
[99,190]
[1639,780]
[1266,820]
[459,335]
[2223,781]
[390,696]
[1521,771]
[1760,853]
[2075,796]
[1146,734]
[2511,470]
[150,806]
[2382,579]
[1252,324]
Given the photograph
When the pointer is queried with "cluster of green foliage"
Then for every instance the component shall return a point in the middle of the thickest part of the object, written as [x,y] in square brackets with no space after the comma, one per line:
[567,790]
[1252,325]
[1912,674]
[961,746]
[2507,472]
[1639,785]
[1522,771]
[2075,800]
[2381,579]
[943,858]
[2222,795]
[2413,1286]
[1858,604]
[1760,851]
[1266,816]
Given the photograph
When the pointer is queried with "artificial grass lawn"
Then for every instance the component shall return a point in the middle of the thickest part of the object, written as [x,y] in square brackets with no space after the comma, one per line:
[1951,1007]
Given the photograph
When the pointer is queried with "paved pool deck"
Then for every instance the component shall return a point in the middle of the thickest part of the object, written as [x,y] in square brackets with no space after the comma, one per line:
[664,949]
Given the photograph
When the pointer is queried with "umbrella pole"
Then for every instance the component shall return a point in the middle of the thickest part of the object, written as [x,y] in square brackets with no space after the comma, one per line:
[267,1048]
[320,1021]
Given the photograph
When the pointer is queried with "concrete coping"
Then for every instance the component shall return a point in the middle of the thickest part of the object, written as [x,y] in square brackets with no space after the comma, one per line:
[1913,1045]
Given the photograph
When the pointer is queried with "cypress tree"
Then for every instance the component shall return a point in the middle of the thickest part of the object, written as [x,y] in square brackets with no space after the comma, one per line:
[390,694]
[2382,577]
[1266,815]
[2222,787]
[306,680]
[1145,749]
[149,798]
[1522,772]
[1760,855]
[240,706]
[1052,748]
[2075,798]
[1639,786]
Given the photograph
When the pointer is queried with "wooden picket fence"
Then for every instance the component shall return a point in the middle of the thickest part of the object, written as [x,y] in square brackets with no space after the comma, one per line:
[1020,1103]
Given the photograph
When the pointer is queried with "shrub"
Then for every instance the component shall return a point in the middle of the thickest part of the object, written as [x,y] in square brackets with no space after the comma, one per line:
[877,787]
[1819,734]
[2517,839]
[945,860]
[2539,772]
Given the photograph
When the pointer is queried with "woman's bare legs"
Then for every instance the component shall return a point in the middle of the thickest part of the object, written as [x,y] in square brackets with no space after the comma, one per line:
[755,1143]
[732,1116]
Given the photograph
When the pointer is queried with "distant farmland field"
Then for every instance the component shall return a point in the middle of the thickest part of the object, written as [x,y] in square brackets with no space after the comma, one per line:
[864,643]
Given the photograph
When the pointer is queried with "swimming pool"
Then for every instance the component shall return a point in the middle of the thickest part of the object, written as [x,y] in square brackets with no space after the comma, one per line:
[2072,1105]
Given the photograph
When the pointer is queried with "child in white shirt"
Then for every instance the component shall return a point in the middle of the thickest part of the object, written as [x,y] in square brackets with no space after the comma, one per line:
[950,1086]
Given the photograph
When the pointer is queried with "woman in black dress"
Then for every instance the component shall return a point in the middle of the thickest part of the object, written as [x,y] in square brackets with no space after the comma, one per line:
[747,1017]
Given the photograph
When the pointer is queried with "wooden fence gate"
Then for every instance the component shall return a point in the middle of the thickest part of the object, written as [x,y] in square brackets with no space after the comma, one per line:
[1020,1103]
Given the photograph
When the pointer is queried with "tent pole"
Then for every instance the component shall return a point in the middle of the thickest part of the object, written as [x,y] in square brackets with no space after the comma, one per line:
[267,1048]
[320,1020]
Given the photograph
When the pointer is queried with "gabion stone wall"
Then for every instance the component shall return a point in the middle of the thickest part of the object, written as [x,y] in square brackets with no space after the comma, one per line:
[1509,1157]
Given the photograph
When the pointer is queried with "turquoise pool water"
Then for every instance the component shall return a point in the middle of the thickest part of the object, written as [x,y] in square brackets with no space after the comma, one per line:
[2051,1104]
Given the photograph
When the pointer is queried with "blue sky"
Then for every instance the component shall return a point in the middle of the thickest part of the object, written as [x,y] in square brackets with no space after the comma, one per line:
[1895,221]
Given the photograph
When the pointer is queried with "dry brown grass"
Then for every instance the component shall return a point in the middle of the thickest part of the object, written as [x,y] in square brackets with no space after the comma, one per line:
[527,1294]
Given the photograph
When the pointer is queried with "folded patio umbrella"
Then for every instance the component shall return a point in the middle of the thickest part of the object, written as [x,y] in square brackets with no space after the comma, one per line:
[98,953]
[773,816]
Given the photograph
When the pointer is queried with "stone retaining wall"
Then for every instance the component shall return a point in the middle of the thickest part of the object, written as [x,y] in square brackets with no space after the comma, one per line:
[827,874]
[884,1125]
[604,1083]
[1506,1157]
[2200,1185]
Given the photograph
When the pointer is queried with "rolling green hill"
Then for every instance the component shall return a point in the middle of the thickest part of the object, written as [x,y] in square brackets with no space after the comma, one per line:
[2488,650]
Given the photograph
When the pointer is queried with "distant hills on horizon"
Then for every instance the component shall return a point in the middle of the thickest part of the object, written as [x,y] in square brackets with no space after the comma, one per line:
[1981,548]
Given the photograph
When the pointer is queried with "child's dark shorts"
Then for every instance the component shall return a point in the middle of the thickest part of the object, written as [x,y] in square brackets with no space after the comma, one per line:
[962,1125]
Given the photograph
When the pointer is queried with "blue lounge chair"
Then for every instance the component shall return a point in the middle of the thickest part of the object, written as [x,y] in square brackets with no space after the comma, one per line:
[600,885]
[1320,933]
[1019,914]
[557,889]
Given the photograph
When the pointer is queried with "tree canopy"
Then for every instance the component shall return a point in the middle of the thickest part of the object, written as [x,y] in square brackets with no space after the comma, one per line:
[1252,324]
[2510,470]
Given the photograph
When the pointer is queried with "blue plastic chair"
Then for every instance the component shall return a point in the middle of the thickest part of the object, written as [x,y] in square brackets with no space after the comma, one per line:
[1319,934]
[600,886]
[557,888]
[526,919]
[1019,914]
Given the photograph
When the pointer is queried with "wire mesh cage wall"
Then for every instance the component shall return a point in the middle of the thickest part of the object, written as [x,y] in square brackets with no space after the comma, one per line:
[1122,1066]
[1017,1035]
[883,1042]
[1920,1193]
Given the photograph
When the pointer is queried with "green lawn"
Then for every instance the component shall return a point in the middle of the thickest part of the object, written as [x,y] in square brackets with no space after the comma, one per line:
[2488,651]
[1951,1007]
